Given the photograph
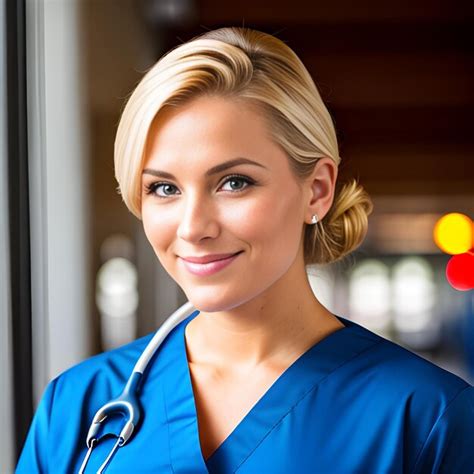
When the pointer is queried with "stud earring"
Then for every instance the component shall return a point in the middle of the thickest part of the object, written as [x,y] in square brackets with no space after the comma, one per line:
[314,219]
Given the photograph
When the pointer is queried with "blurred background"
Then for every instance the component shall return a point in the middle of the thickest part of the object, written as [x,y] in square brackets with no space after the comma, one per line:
[77,275]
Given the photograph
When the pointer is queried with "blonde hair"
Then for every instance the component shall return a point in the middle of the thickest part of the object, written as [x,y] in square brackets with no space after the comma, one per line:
[241,63]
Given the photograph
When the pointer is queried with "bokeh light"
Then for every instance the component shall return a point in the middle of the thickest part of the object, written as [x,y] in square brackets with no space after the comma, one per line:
[413,294]
[460,271]
[453,233]
[370,295]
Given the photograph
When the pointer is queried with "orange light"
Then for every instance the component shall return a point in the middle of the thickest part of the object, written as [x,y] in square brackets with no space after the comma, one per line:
[454,233]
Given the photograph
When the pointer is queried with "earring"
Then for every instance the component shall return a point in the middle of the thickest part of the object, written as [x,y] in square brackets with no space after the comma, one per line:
[314,219]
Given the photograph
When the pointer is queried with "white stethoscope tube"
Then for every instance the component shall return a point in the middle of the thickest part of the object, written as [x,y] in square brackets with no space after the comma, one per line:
[179,315]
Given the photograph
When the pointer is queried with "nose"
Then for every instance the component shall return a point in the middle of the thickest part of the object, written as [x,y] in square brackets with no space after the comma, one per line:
[198,219]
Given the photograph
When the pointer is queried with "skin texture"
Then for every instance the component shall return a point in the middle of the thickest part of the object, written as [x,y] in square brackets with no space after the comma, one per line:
[259,314]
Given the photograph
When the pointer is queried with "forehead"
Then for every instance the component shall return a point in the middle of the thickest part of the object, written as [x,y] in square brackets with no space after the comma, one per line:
[208,125]
[214,105]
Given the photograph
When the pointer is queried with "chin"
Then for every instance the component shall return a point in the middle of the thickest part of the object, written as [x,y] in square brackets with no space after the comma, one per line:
[212,303]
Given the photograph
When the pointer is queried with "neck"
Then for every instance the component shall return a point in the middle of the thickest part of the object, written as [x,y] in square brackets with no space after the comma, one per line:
[274,328]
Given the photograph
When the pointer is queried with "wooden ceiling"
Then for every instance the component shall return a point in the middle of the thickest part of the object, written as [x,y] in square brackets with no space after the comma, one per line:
[397,77]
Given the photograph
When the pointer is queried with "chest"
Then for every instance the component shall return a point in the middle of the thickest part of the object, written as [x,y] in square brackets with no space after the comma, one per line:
[222,401]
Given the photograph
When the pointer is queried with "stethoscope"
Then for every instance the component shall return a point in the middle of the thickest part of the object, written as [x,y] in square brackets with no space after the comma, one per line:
[127,404]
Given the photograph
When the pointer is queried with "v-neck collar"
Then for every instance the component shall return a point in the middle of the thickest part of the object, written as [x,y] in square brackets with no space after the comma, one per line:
[301,377]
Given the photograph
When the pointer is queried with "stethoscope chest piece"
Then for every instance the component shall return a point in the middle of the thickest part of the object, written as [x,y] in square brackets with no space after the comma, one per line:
[127,406]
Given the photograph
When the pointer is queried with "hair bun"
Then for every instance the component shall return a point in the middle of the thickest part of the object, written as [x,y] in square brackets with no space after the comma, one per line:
[344,227]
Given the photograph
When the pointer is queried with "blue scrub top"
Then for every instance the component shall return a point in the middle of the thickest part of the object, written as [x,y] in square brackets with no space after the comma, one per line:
[352,403]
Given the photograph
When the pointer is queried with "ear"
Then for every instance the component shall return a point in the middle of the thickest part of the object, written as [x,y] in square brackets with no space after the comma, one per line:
[320,188]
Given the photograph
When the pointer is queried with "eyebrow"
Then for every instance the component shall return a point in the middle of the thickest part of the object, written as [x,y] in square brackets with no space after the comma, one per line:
[214,170]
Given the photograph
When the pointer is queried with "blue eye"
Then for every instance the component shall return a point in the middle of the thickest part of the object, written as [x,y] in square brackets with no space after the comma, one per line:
[168,187]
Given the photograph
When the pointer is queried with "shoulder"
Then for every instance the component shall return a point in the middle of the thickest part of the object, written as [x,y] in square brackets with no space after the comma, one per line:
[400,370]
[109,365]
[426,391]
[94,380]
[433,408]
[399,379]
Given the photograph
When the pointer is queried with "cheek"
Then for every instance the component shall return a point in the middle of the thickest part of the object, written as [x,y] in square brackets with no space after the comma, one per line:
[157,229]
[250,219]
[273,221]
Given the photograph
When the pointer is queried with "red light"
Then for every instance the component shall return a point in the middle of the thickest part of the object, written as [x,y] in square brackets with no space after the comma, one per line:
[460,271]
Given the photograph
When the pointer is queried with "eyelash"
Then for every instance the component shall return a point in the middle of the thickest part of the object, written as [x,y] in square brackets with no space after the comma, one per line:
[152,187]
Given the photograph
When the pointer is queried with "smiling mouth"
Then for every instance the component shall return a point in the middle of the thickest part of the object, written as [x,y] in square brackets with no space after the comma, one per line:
[209,268]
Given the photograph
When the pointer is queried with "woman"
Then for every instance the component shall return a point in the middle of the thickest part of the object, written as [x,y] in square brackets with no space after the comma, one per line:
[261,378]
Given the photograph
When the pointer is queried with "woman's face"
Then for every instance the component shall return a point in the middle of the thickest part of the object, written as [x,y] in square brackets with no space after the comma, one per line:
[198,208]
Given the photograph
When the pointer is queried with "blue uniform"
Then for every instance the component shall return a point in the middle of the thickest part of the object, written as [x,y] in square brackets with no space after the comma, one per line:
[352,403]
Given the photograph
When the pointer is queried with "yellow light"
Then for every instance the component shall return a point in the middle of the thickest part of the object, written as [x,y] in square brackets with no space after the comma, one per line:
[453,233]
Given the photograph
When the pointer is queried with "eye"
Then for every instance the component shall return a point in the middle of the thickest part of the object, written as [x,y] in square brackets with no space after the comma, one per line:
[152,187]
[167,188]
[236,178]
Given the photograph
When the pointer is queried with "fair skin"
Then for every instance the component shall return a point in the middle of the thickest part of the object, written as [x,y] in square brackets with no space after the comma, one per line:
[258,314]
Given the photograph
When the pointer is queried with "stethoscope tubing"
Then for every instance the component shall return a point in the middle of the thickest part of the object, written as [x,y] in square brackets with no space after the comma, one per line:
[179,315]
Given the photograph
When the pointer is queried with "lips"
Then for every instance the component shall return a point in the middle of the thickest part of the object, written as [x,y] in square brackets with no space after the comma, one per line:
[211,267]
[209,258]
